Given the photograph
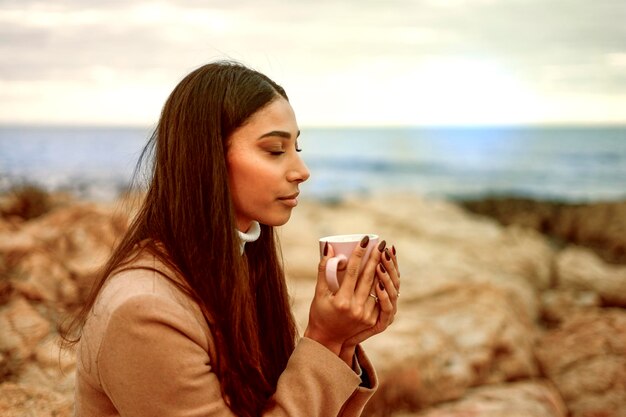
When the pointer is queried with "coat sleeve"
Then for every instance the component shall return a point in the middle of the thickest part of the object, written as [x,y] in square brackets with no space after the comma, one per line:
[153,361]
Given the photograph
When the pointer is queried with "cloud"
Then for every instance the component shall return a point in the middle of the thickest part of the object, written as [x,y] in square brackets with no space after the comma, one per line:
[560,47]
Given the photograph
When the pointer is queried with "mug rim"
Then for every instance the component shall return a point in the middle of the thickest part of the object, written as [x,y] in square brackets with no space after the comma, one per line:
[347,238]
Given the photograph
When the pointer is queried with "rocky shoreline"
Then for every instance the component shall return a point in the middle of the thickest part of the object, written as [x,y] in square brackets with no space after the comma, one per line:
[494,319]
[600,226]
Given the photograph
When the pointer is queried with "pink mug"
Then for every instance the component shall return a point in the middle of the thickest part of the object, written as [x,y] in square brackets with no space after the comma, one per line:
[343,246]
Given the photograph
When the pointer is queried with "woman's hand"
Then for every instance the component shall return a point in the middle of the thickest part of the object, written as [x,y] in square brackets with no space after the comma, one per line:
[387,291]
[340,320]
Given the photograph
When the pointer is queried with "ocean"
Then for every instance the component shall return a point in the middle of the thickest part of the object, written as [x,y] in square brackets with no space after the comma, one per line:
[570,164]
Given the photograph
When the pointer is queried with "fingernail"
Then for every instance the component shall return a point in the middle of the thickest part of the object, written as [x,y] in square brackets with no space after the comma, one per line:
[326,249]
[382,268]
[365,241]
[381,286]
[387,254]
[381,246]
[393,249]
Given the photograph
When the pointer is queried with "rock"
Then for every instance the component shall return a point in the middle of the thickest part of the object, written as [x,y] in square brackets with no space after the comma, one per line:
[440,346]
[580,269]
[585,358]
[19,400]
[16,240]
[9,366]
[559,304]
[25,202]
[520,399]
[424,231]
[475,296]
[494,337]
[82,235]
[600,227]
[49,378]
[38,275]
[432,369]
[50,355]
[469,294]
[21,329]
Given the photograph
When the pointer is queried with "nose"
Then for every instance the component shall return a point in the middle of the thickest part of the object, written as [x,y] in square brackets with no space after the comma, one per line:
[299,171]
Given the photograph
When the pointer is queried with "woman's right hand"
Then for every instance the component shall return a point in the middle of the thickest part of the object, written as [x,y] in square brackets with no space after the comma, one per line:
[337,317]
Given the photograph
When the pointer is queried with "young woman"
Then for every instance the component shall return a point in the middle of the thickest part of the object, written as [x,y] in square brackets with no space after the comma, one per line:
[191,315]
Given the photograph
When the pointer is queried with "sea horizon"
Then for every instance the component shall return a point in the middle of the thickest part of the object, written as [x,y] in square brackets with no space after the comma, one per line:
[569,163]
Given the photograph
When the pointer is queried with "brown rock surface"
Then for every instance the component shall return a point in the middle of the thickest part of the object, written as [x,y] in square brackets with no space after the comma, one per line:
[46,264]
[17,400]
[598,226]
[521,399]
[469,295]
[586,360]
[476,300]
[21,329]
[582,270]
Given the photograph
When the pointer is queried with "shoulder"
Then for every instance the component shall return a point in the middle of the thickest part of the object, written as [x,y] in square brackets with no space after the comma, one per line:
[147,288]
[144,343]
[143,303]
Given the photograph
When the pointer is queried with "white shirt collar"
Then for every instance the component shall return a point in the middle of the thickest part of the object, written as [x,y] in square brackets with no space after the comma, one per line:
[253,233]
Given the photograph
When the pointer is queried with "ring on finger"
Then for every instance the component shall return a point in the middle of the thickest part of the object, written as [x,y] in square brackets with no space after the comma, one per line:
[373,296]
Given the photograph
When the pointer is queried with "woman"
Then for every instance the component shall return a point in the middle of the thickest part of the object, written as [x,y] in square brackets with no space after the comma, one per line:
[191,315]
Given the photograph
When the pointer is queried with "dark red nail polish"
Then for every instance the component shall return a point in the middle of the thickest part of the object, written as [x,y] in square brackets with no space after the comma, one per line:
[387,254]
[393,249]
[381,246]
[382,268]
[381,286]
[326,249]
[365,241]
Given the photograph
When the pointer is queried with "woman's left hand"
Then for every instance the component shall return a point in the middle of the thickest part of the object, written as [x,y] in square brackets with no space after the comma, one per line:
[387,290]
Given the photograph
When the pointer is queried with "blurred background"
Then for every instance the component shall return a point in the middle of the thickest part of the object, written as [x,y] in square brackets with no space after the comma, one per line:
[452,98]
[513,109]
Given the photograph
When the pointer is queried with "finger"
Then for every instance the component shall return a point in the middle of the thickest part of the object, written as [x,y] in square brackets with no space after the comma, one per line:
[372,309]
[394,256]
[390,266]
[366,282]
[322,284]
[387,283]
[352,270]
[386,308]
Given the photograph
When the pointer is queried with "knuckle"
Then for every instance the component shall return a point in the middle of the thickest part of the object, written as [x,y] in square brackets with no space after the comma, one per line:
[359,251]
[342,304]
[353,269]
[357,312]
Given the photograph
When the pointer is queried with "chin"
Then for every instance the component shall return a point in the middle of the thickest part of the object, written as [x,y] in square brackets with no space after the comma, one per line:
[276,221]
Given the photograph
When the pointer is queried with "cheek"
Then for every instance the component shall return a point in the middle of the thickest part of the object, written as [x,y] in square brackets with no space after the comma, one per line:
[247,176]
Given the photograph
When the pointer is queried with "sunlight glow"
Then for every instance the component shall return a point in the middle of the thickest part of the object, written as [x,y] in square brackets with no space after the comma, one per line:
[435,91]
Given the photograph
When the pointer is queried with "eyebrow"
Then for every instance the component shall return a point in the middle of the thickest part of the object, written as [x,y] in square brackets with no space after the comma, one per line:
[279,133]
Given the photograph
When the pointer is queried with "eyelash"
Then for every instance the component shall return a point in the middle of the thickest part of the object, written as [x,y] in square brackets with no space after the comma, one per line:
[278,153]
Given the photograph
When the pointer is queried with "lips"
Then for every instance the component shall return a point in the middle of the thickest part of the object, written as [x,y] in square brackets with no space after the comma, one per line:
[290,200]
[290,197]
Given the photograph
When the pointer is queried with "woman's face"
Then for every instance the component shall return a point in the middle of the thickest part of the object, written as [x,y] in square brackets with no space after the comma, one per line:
[264,167]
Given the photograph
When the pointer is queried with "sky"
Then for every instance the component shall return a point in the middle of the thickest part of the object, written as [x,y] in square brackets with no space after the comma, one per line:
[343,63]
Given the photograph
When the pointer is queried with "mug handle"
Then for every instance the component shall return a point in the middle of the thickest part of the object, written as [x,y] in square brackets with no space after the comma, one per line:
[331,271]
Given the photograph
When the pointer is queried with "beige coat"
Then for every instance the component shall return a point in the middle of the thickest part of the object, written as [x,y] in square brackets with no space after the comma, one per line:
[145,351]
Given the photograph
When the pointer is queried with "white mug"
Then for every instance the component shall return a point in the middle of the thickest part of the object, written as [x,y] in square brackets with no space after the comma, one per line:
[343,246]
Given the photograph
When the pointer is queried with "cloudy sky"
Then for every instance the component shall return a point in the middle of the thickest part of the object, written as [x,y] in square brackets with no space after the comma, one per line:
[358,62]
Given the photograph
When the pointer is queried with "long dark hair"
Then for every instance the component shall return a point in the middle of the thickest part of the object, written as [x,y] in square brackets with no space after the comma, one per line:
[187,219]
